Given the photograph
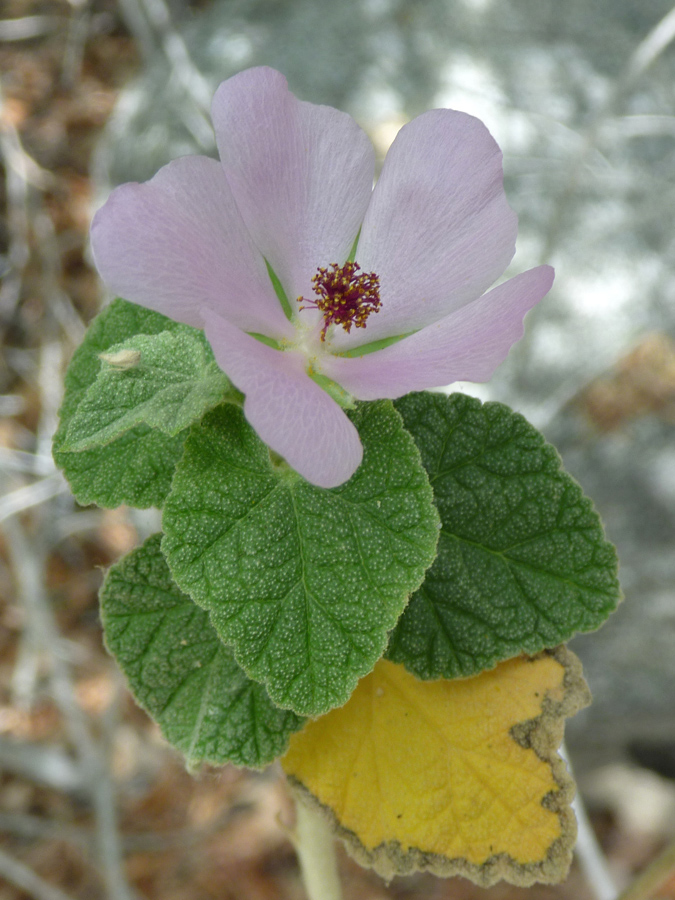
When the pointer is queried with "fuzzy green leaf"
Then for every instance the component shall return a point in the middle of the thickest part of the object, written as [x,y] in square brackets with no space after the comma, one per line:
[137,467]
[167,381]
[304,583]
[180,672]
[522,563]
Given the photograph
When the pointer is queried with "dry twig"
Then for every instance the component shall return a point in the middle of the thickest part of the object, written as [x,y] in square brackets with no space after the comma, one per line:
[27,558]
[18,874]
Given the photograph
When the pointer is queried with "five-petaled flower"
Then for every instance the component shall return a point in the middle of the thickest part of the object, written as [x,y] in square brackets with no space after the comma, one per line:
[258,249]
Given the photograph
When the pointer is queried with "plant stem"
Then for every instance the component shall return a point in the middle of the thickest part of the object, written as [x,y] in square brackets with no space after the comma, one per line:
[588,851]
[653,876]
[315,846]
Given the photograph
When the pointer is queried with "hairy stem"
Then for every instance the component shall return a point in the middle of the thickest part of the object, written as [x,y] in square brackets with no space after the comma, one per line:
[315,846]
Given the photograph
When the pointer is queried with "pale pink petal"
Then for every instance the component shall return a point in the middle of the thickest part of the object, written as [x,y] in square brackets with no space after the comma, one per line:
[289,411]
[467,345]
[177,243]
[302,174]
[438,230]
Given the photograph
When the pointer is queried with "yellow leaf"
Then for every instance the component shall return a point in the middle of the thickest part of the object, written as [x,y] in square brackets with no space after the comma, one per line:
[456,777]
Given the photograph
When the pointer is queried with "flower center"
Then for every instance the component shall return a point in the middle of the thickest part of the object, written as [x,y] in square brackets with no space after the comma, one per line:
[344,296]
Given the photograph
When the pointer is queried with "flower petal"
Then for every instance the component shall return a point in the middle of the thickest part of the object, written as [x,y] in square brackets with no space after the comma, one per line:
[290,412]
[467,345]
[178,243]
[438,230]
[302,174]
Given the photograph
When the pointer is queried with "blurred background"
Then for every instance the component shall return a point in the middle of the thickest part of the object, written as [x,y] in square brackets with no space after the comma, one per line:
[581,97]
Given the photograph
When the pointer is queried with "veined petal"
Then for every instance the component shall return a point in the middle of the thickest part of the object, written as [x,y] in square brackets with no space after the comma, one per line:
[438,230]
[291,413]
[302,174]
[467,345]
[178,243]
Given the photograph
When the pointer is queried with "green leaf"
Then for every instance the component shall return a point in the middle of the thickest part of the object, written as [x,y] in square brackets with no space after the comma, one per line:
[181,673]
[166,381]
[137,467]
[522,562]
[304,583]
[114,324]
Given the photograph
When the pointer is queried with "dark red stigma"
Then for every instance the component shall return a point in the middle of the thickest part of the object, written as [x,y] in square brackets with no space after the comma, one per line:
[344,296]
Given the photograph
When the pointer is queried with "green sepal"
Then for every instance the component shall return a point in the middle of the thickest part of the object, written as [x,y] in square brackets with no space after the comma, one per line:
[522,563]
[352,252]
[137,467]
[280,292]
[167,381]
[374,346]
[304,583]
[264,339]
[342,397]
[180,672]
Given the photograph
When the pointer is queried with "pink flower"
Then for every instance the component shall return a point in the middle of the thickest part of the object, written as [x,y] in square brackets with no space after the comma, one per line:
[292,191]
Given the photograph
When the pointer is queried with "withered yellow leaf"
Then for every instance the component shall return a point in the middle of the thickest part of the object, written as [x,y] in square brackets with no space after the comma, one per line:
[456,777]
